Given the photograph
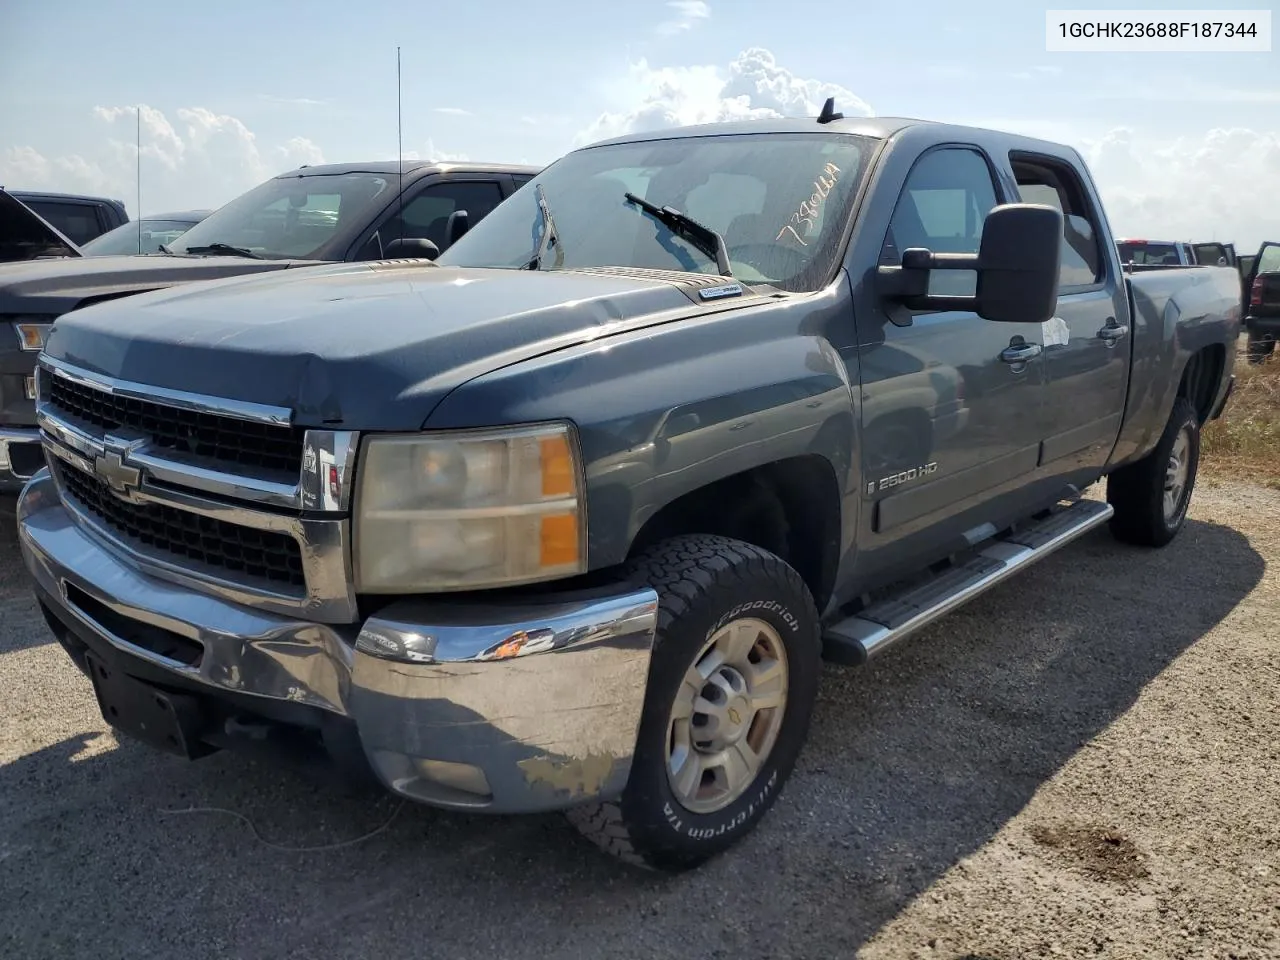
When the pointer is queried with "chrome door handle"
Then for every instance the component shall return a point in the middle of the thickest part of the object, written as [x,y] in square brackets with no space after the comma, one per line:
[1021,352]
[1113,331]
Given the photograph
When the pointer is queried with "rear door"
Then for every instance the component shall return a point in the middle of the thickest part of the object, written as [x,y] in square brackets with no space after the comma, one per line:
[1212,254]
[1087,344]
[1262,285]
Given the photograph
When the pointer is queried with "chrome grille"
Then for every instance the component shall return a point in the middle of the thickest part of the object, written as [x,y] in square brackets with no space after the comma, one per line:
[219,438]
[221,495]
[261,554]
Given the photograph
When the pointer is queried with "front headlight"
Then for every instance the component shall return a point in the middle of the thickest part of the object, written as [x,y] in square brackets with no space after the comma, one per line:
[468,510]
[33,332]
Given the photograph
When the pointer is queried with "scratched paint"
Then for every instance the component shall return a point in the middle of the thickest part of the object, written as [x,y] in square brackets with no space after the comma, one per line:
[585,776]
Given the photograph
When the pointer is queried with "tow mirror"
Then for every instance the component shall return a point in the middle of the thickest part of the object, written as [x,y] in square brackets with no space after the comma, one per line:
[1017,266]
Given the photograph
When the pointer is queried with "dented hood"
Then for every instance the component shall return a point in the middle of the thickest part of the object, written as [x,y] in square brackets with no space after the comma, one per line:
[25,235]
[360,346]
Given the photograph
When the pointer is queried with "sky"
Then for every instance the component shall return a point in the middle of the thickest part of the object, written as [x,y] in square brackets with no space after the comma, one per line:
[1182,145]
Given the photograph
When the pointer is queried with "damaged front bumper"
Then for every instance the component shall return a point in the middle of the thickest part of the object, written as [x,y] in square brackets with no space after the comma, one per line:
[506,707]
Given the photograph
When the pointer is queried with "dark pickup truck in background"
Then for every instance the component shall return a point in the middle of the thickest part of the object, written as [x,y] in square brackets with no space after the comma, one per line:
[1262,309]
[567,518]
[308,216]
[80,217]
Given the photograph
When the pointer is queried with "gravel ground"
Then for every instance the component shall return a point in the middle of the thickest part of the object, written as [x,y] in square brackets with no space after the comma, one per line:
[1081,763]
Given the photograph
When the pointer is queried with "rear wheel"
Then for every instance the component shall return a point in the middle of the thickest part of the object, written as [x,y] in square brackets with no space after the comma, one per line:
[1151,497]
[731,690]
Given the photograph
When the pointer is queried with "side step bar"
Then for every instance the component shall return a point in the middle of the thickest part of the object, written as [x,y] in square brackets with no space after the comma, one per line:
[873,630]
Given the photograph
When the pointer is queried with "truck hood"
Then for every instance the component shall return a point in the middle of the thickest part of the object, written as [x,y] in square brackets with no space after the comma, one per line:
[54,287]
[25,235]
[363,346]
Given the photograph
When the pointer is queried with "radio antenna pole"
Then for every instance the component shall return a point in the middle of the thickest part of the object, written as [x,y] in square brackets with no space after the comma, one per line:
[138,147]
[399,147]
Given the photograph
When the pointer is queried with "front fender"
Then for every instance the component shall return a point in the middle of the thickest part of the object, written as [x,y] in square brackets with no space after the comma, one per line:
[662,412]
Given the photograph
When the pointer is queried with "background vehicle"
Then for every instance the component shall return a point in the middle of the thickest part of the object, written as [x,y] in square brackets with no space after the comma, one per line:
[312,215]
[567,518]
[145,236]
[1262,310]
[25,235]
[79,217]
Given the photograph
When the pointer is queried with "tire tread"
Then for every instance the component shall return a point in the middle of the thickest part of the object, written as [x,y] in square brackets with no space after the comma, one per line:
[680,570]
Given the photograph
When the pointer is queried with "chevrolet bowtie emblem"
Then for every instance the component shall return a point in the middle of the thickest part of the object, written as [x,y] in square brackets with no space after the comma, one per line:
[122,479]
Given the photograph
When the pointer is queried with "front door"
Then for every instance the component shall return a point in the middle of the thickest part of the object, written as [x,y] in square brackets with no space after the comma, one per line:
[951,403]
[1088,342]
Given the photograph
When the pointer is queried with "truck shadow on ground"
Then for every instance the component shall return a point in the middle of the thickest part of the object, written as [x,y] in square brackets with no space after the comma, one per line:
[913,764]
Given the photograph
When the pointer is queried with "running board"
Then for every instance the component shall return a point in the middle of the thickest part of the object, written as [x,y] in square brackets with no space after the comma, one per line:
[881,625]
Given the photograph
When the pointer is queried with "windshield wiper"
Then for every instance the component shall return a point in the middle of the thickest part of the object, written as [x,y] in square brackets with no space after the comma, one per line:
[225,249]
[684,226]
[549,235]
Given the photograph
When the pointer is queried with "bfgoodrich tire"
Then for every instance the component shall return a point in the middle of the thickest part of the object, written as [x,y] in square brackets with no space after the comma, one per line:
[1151,497]
[731,690]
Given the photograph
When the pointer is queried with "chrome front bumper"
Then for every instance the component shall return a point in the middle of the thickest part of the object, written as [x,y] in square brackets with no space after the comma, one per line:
[12,477]
[507,708]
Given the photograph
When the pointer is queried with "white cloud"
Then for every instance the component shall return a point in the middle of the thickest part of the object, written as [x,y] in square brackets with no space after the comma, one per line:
[434,154]
[452,111]
[198,158]
[753,87]
[688,13]
[1191,187]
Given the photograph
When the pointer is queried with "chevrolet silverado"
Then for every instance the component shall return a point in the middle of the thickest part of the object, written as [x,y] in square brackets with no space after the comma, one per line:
[568,518]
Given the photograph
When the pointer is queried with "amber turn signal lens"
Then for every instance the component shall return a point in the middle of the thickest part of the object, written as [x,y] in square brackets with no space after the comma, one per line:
[557,467]
[559,545]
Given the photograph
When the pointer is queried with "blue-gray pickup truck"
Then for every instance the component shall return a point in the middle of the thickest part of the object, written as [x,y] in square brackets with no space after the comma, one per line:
[568,518]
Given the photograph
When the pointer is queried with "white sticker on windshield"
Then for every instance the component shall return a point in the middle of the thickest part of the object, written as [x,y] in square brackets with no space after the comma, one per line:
[1055,332]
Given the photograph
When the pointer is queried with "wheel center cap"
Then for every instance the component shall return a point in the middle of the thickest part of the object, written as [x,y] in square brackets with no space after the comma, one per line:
[737,713]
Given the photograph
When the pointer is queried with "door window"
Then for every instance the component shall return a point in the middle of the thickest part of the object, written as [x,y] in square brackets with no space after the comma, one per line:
[1269,259]
[426,216]
[77,221]
[1048,181]
[944,202]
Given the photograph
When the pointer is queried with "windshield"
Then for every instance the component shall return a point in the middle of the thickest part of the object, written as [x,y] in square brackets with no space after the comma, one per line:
[289,217]
[124,238]
[779,200]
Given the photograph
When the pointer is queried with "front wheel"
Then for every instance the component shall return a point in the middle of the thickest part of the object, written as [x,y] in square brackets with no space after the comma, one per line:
[1151,497]
[731,690]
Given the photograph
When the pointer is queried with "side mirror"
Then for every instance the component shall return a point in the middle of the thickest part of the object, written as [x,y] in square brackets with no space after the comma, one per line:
[1019,262]
[417,248]
[455,227]
[1017,265]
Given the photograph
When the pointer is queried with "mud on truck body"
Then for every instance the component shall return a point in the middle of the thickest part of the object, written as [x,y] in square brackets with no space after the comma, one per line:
[568,518]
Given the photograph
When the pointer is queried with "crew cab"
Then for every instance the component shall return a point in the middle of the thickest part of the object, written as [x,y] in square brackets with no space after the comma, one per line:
[308,216]
[568,518]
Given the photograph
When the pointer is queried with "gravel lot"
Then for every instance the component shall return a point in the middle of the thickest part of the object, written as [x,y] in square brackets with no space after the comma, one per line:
[1081,763]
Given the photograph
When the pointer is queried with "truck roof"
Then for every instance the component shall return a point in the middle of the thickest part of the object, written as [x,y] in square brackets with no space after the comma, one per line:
[417,167]
[879,128]
[47,195]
